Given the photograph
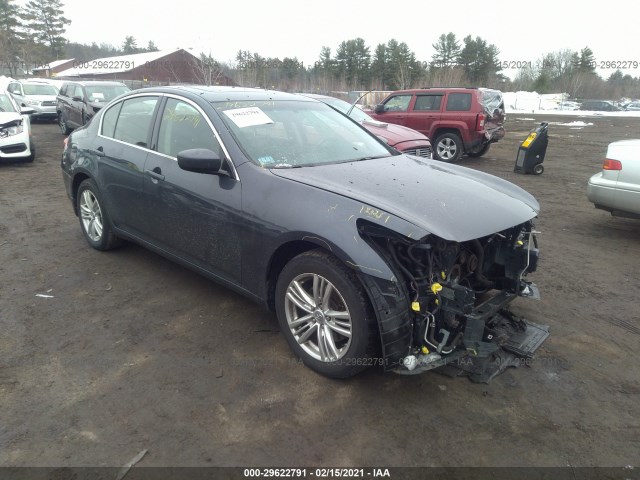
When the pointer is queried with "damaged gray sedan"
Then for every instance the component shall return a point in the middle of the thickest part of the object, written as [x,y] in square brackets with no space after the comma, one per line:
[367,256]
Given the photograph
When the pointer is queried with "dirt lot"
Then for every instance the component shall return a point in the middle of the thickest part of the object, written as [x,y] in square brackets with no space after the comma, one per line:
[134,352]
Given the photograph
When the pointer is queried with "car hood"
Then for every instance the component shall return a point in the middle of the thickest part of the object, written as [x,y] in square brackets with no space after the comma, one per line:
[393,134]
[452,202]
[9,118]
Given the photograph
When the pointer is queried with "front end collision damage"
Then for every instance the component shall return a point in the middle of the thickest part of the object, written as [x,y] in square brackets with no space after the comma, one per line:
[446,306]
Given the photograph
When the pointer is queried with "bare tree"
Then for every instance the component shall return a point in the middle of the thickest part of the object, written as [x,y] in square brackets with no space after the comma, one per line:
[206,69]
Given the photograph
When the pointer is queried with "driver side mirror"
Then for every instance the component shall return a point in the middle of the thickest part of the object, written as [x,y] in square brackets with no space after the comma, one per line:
[379,108]
[76,98]
[201,160]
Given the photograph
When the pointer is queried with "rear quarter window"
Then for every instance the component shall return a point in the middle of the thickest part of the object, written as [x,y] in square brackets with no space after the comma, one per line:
[109,120]
[459,102]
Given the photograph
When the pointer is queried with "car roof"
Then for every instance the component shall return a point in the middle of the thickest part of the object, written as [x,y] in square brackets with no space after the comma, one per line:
[34,80]
[85,83]
[222,94]
[317,95]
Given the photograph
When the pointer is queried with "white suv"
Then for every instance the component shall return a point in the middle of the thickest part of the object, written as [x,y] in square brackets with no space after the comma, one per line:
[37,94]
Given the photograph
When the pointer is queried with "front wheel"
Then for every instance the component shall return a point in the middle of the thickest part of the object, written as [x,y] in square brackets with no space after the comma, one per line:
[31,157]
[448,147]
[324,315]
[94,220]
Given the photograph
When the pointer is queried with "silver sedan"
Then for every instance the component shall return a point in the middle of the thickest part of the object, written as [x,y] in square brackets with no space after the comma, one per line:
[616,188]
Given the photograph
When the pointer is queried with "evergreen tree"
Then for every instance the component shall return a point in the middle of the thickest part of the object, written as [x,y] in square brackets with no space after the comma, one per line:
[9,36]
[129,45]
[46,24]
[403,64]
[379,67]
[447,51]
[586,62]
[352,61]
[479,60]
[151,47]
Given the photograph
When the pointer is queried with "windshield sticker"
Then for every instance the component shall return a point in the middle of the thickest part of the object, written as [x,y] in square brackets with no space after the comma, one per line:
[248,117]
[98,96]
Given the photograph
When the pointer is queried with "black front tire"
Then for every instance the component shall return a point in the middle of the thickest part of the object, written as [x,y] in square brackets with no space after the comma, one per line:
[94,219]
[538,169]
[478,153]
[357,352]
[31,157]
[448,147]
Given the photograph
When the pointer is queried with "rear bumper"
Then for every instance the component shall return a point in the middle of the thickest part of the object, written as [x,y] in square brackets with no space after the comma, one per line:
[483,137]
[48,111]
[601,192]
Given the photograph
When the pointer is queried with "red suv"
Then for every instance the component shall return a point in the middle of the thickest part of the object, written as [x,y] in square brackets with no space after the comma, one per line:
[457,120]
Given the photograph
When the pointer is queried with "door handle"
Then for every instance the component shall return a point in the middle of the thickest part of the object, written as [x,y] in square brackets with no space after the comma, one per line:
[155,174]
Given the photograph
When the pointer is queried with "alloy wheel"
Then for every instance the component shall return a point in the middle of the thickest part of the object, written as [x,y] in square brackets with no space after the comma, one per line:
[447,148]
[91,215]
[318,317]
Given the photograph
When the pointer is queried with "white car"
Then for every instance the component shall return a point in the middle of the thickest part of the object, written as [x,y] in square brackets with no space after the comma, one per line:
[15,131]
[632,107]
[616,188]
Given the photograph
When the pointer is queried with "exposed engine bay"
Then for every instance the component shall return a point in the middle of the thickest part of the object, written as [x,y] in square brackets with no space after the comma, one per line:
[458,295]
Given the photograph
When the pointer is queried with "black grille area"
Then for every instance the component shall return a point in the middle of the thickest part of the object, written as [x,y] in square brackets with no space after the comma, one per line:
[16,148]
[424,152]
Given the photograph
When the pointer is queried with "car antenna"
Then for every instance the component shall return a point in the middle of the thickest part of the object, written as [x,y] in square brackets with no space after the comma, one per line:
[356,102]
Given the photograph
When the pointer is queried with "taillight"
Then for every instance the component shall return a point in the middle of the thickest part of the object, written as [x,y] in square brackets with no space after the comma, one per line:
[480,121]
[609,164]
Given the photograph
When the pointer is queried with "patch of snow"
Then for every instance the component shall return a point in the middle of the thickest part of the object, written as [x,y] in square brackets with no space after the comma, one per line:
[577,123]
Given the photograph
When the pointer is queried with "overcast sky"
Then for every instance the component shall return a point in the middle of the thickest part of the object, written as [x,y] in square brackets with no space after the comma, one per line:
[523,31]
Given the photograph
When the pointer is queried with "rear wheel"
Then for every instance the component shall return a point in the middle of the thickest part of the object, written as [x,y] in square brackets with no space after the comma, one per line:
[448,147]
[94,219]
[324,315]
[480,152]
[64,128]
[538,169]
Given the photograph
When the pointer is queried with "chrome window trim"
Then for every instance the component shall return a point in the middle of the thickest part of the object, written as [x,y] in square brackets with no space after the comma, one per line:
[234,172]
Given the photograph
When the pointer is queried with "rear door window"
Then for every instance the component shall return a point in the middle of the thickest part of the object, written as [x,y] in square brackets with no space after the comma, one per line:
[428,102]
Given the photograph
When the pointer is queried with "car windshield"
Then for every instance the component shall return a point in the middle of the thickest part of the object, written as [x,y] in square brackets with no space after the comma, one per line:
[39,89]
[355,113]
[6,105]
[286,134]
[105,93]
